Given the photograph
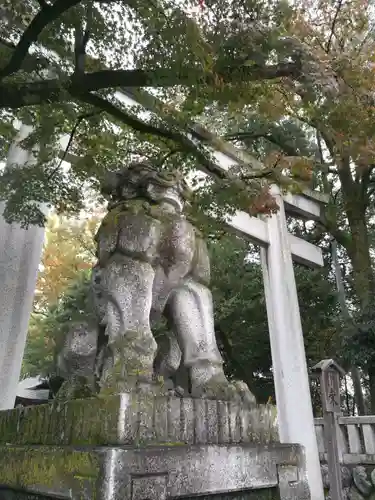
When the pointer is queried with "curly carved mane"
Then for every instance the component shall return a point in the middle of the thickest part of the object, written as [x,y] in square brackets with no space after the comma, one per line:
[138,175]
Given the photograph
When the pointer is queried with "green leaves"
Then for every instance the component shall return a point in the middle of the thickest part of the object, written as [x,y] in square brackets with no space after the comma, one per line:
[240,313]
[47,330]
[211,57]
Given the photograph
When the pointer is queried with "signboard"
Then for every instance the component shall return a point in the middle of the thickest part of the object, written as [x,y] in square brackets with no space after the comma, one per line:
[331,391]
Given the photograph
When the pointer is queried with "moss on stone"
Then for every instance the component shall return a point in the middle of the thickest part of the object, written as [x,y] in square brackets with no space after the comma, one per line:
[76,387]
[49,468]
[140,417]
[88,421]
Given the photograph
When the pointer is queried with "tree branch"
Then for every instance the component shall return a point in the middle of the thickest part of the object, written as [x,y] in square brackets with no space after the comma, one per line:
[50,13]
[31,62]
[54,92]
[365,180]
[176,136]
[81,39]
[124,117]
[17,95]
[79,51]
[71,137]
[289,150]
[339,5]
[340,235]
[165,157]
[147,128]
[47,15]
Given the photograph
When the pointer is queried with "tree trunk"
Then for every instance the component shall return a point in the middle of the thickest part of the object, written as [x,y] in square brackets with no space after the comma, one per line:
[363,274]
[239,370]
[358,392]
[363,278]
[355,374]
[371,375]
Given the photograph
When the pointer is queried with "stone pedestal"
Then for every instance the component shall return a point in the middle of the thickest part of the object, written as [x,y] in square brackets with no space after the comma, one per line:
[138,447]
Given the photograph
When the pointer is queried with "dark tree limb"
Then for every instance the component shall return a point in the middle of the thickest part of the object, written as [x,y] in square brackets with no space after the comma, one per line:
[289,150]
[79,50]
[355,373]
[365,181]
[174,135]
[340,235]
[124,117]
[47,15]
[81,38]
[17,95]
[30,63]
[332,33]
[147,128]
[70,141]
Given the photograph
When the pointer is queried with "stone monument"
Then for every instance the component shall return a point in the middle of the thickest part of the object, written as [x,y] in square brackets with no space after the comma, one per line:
[139,436]
[151,261]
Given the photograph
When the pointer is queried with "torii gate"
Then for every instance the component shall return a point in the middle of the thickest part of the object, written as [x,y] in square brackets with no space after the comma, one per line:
[278,250]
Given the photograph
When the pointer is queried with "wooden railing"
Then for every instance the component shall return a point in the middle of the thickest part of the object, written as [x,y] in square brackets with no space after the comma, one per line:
[356,439]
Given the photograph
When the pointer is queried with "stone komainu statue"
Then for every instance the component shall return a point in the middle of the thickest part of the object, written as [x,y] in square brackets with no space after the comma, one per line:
[153,262]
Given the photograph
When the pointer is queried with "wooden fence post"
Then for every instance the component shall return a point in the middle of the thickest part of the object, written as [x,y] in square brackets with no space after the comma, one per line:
[329,373]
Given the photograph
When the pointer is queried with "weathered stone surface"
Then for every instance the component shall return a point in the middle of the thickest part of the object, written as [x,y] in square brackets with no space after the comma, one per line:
[346,477]
[354,494]
[345,493]
[137,447]
[325,476]
[6,494]
[78,352]
[292,484]
[361,481]
[137,418]
[151,261]
[179,471]
[268,494]
[372,475]
[75,362]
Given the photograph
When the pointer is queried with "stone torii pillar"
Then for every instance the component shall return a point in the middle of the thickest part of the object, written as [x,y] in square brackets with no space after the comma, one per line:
[278,250]
[294,407]
[20,255]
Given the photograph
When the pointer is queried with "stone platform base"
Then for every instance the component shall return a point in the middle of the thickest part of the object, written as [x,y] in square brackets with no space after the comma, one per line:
[121,473]
[126,448]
